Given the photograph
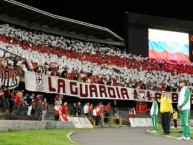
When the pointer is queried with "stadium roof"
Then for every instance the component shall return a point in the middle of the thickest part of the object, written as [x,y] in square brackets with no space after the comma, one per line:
[24,15]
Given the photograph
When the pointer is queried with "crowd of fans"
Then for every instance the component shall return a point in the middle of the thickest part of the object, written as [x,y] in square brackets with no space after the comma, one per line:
[88,62]
[21,103]
[29,104]
[96,112]
[82,61]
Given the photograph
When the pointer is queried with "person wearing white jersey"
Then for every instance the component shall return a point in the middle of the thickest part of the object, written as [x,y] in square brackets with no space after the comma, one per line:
[184,109]
[154,113]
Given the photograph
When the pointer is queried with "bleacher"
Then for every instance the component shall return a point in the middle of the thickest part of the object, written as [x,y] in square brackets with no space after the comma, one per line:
[87,61]
[90,62]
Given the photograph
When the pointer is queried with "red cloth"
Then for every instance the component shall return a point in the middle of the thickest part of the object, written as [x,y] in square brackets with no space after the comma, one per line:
[63,117]
[64,109]
[90,110]
[108,108]
[1,94]
[18,99]
[56,112]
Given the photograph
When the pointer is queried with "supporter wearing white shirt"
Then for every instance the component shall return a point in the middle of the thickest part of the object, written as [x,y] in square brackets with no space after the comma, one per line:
[86,107]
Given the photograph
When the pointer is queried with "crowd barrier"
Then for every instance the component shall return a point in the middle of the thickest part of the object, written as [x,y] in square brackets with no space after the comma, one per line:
[11,125]
[140,122]
[108,121]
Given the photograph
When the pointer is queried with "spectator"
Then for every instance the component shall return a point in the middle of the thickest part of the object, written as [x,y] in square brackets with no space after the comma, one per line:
[57,108]
[44,109]
[154,114]
[132,112]
[184,109]
[86,109]
[117,118]
[166,109]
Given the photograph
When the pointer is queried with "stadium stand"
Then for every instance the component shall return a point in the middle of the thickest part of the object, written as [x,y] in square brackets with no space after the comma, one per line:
[84,60]
[90,62]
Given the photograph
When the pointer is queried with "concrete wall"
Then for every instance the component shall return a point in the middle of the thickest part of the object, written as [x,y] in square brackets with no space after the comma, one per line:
[6,125]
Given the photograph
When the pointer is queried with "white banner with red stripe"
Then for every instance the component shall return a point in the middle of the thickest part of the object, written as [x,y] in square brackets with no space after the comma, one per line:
[49,84]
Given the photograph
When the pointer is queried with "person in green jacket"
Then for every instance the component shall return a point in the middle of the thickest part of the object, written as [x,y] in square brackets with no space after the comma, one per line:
[184,109]
[154,113]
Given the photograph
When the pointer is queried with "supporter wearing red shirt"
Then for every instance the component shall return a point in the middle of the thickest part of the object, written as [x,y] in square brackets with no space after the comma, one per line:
[90,110]
[108,107]
[18,102]
[64,109]
[18,98]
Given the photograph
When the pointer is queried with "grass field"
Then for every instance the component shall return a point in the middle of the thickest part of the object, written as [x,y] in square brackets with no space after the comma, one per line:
[37,137]
[174,132]
[54,137]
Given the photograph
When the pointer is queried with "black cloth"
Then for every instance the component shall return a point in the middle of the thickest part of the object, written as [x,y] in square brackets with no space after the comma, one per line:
[165,121]
[56,117]
[106,115]
[96,120]
[175,123]
[79,110]
[117,121]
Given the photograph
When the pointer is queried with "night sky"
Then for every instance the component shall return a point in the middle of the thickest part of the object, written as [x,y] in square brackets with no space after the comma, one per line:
[111,14]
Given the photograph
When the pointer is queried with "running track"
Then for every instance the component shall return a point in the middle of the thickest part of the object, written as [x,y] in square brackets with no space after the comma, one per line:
[124,136]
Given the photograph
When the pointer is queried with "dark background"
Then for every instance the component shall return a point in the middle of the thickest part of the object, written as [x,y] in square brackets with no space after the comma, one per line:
[111,13]
[138,25]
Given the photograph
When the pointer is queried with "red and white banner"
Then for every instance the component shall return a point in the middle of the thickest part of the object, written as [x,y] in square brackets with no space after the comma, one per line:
[49,84]
[9,78]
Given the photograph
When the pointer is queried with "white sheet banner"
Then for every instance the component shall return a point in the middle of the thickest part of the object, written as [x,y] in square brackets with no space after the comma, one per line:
[140,122]
[80,122]
[49,84]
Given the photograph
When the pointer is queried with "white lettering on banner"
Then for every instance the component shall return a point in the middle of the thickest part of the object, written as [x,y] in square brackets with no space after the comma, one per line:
[50,84]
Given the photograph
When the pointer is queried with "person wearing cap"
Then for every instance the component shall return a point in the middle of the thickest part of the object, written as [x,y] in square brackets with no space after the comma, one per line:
[165,109]
[154,113]
[184,109]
